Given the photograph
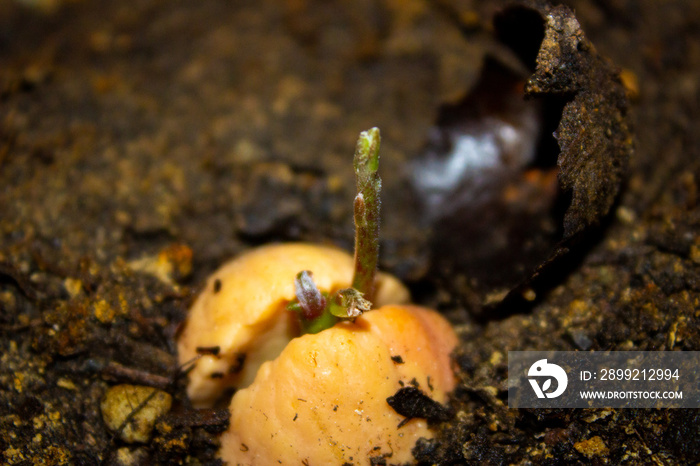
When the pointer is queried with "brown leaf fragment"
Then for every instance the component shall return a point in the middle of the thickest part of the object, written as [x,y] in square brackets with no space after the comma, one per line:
[412,402]
[593,133]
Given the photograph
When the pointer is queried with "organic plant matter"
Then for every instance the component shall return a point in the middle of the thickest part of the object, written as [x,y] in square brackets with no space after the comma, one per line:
[241,319]
[324,399]
[327,396]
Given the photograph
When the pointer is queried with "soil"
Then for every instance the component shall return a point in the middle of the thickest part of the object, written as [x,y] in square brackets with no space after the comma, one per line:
[144,143]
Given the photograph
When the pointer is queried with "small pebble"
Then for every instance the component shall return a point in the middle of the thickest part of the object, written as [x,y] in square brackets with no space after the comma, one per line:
[134,409]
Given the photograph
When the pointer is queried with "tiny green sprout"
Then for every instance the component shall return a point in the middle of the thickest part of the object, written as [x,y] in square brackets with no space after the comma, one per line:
[353,302]
[317,311]
[311,305]
[311,302]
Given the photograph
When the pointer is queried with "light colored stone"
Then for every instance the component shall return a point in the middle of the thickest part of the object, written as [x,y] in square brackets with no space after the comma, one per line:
[132,410]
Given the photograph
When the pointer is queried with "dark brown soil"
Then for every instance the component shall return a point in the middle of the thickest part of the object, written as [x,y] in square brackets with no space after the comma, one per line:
[143,143]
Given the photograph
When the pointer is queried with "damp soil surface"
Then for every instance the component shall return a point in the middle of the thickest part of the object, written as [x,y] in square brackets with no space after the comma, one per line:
[144,143]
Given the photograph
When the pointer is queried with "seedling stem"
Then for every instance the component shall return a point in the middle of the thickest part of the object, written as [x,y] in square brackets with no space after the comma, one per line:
[318,311]
[367,206]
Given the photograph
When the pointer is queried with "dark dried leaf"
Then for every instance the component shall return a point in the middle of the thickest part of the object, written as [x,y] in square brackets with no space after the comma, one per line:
[413,402]
[593,134]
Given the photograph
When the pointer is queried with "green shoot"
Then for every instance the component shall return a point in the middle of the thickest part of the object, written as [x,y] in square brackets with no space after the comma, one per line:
[311,302]
[352,304]
[311,305]
[318,311]
[367,205]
